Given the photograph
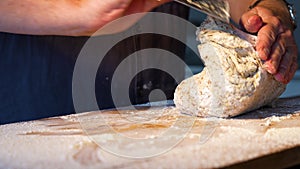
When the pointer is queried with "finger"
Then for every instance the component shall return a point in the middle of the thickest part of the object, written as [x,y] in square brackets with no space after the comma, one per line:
[283,74]
[251,22]
[294,65]
[292,71]
[280,76]
[278,50]
[266,36]
[287,78]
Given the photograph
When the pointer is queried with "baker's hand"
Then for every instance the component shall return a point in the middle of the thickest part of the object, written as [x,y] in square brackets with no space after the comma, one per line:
[275,42]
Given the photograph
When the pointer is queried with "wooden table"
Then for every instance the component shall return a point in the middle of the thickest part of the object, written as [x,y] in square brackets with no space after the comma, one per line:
[159,137]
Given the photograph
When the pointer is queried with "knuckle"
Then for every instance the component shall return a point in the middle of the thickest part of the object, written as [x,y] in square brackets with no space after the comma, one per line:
[283,68]
[276,22]
[295,58]
[267,35]
[278,25]
[296,65]
[289,33]
[273,68]
[281,49]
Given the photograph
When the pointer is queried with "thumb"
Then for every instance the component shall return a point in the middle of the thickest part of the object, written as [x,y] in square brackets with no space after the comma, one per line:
[251,22]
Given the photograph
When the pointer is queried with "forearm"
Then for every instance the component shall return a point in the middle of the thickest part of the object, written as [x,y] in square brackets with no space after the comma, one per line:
[66,17]
[41,17]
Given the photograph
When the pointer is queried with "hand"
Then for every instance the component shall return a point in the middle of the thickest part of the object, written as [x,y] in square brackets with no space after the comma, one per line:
[275,42]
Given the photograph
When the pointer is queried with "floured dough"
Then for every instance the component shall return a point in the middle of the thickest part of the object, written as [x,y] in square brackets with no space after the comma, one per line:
[233,81]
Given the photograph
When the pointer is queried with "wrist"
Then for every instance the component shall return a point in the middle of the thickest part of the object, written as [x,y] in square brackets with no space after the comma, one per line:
[292,12]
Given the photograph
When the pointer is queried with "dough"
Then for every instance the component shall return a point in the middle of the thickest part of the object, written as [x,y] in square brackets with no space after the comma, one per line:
[233,80]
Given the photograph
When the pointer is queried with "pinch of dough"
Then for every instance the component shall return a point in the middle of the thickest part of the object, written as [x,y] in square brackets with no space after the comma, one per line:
[233,80]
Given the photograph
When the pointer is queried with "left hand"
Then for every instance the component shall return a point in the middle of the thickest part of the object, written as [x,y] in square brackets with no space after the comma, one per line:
[275,42]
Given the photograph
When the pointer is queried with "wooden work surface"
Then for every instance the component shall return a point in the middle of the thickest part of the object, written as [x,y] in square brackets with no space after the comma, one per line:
[159,137]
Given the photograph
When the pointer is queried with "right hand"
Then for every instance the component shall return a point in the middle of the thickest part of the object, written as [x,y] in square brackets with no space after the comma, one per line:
[275,42]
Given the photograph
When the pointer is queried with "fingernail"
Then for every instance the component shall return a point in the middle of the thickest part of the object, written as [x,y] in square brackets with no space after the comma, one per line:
[264,53]
[270,71]
[269,67]
[279,77]
[265,66]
